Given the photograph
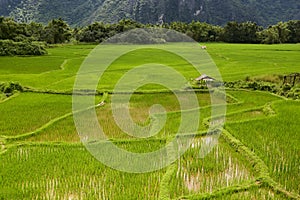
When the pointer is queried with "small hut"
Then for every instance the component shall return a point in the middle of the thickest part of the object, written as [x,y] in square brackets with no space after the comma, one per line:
[205,78]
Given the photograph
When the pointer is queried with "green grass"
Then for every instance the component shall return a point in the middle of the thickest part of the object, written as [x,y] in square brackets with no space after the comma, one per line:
[2,96]
[42,72]
[29,65]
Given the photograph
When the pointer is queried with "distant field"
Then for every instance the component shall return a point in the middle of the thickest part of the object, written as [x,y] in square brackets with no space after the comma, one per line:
[257,155]
[60,64]
[237,61]
[29,65]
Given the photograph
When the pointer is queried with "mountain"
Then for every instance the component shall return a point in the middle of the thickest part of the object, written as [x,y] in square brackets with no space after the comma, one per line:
[218,12]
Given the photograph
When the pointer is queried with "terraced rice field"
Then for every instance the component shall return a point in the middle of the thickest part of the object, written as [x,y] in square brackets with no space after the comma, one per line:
[256,157]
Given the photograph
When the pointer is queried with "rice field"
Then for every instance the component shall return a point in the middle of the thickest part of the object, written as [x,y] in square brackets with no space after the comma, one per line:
[237,61]
[223,167]
[256,157]
[54,172]
[28,111]
[276,141]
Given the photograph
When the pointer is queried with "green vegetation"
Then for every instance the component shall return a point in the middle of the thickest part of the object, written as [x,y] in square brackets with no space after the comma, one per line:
[238,61]
[29,65]
[81,12]
[29,111]
[223,167]
[10,48]
[276,145]
[56,71]
[257,155]
[21,35]
[68,171]
[10,88]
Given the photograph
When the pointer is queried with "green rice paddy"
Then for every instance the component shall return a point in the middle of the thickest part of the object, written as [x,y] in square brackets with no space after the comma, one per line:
[257,155]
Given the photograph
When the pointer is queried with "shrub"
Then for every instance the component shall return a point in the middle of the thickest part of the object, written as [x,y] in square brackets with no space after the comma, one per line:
[290,95]
[11,48]
[10,88]
[286,90]
[286,87]
[248,78]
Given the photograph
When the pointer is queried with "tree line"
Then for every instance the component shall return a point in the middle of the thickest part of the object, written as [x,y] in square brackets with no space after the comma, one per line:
[58,31]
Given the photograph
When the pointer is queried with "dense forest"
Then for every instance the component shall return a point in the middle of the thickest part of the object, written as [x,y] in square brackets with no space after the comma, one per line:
[217,12]
[30,38]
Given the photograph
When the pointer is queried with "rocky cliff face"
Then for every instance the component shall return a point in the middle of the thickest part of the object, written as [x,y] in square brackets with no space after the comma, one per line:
[219,12]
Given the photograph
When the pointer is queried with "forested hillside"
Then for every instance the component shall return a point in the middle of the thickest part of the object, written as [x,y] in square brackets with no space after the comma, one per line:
[218,12]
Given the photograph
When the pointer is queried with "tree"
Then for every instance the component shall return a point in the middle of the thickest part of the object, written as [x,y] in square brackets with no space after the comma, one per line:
[178,26]
[96,32]
[35,30]
[199,31]
[249,32]
[294,28]
[276,34]
[283,32]
[11,30]
[57,31]
[8,28]
[246,32]
[270,36]
[126,24]
[231,32]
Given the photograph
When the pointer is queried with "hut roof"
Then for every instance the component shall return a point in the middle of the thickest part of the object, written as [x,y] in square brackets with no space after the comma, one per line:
[204,77]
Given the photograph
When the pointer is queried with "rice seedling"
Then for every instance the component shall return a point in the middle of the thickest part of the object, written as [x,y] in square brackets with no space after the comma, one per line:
[69,171]
[221,168]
